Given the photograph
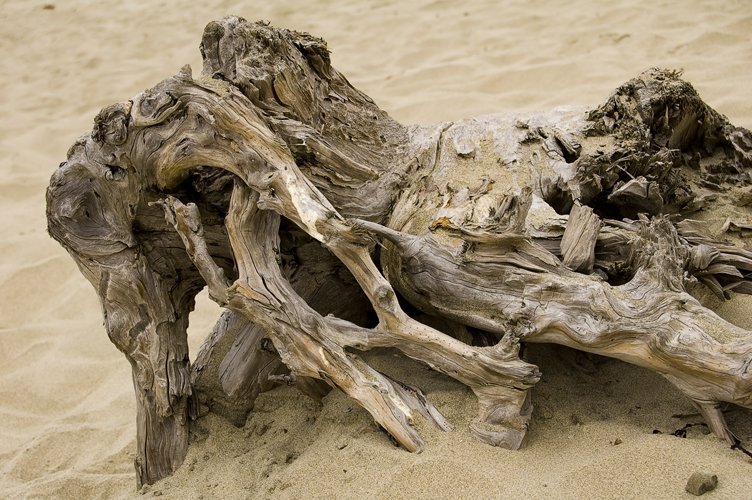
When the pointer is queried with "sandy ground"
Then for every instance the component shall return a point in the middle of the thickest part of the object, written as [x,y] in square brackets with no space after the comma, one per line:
[67,427]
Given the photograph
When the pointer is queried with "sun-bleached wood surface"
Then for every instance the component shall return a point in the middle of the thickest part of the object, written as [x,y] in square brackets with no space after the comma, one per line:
[308,212]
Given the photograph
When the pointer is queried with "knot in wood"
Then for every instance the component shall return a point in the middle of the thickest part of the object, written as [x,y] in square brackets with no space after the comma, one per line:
[111,124]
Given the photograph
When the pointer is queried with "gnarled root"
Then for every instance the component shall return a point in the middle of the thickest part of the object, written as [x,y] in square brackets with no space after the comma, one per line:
[505,224]
[261,294]
[649,321]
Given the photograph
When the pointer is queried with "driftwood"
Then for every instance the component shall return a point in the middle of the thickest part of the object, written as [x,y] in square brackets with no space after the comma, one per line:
[306,210]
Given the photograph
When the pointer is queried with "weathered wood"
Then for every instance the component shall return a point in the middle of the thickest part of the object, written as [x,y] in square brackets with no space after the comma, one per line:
[637,196]
[279,181]
[233,367]
[264,296]
[578,241]
[237,360]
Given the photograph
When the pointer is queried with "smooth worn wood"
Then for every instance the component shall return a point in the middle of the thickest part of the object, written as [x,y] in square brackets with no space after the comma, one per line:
[308,212]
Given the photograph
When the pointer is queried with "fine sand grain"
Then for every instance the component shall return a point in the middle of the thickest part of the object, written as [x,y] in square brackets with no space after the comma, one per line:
[67,416]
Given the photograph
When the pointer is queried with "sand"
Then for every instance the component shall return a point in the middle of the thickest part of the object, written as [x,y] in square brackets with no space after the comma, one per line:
[67,425]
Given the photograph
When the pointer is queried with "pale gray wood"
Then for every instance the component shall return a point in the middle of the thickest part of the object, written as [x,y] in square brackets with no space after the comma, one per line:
[237,360]
[279,180]
[580,236]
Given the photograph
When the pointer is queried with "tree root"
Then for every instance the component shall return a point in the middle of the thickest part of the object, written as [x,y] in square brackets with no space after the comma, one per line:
[278,179]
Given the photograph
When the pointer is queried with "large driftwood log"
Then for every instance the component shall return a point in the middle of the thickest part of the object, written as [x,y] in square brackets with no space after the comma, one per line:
[281,183]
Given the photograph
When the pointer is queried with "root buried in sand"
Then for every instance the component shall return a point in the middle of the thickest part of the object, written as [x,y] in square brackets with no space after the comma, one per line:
[282,186]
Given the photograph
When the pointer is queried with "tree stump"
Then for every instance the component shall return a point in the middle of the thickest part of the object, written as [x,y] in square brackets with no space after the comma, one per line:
[307,212]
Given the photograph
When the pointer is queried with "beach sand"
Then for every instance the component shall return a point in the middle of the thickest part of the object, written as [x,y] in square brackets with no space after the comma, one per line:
[67,412]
